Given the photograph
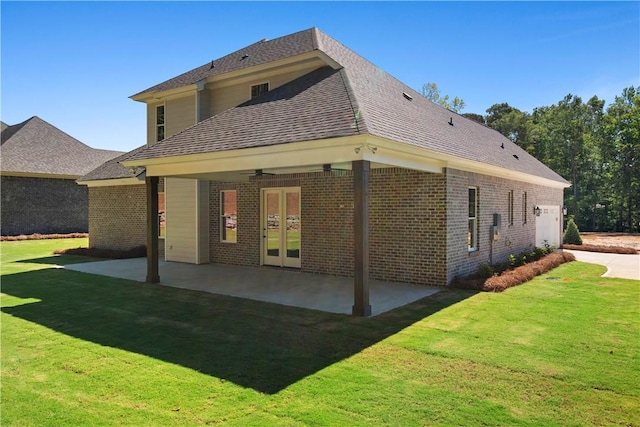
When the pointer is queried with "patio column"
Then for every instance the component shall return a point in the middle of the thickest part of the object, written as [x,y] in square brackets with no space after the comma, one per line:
[361,306]
[152,229]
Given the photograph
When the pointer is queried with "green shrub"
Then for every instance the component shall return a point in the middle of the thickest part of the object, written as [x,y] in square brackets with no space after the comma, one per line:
[571,234]
[485,271]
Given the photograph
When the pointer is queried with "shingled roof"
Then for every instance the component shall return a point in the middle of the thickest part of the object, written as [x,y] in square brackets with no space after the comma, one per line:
[37,147]
[359,98]
[112,169]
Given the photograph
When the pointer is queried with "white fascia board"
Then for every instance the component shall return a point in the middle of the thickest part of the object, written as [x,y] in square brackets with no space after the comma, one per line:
[38,175]
[449,161]
[113,182]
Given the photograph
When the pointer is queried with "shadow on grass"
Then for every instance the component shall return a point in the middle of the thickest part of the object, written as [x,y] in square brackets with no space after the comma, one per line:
[253,344]
[60,260]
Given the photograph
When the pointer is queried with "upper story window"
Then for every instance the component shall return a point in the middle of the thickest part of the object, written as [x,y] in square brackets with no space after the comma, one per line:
[257,90]
[472,235]
[159,122]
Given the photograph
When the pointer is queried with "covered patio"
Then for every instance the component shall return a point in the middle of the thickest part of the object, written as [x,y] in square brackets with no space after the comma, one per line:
[333,294]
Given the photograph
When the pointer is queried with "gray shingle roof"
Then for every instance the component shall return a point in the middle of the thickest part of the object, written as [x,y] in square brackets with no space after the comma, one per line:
[262,52]
[112,169]
[314,106]
[35,146]
[360,98]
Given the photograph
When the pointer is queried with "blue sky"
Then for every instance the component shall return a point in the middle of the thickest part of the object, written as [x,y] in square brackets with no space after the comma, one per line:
[74,64]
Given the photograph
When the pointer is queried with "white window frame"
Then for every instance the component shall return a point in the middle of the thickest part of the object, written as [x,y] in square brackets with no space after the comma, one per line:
[524,207]
[258,84]
[163,124]
[472,231]
[224,217]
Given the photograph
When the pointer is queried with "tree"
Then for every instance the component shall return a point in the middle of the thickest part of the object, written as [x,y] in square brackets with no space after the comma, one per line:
[571,234]
[622,157]
[475,117]
[509,121]
[432,93]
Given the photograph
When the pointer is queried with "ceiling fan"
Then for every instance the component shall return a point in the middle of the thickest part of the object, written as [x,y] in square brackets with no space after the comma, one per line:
[258,172]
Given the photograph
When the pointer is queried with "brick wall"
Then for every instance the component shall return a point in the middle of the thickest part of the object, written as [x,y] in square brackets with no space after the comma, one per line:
[42,205]
[492,198]
[118,217]
[407,224]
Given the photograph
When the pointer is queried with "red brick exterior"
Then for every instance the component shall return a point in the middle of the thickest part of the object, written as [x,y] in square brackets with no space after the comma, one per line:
[418,221]
[117,217]
[492,198]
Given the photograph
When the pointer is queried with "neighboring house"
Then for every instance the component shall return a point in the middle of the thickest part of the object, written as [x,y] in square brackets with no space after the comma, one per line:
[38,168]
[297,152]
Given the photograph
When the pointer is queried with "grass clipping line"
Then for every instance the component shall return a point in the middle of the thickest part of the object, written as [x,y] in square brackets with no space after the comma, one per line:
[516,276]
[603,249]
[38,236]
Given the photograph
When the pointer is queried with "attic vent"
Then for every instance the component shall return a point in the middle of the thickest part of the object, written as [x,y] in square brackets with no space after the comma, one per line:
[245,56]
[450,121]
[406,95]
[515,156]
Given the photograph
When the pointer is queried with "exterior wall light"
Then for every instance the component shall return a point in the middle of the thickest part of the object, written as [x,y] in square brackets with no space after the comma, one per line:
[537,211]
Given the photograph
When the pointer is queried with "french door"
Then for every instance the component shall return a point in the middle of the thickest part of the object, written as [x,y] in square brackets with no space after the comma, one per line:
[281,226]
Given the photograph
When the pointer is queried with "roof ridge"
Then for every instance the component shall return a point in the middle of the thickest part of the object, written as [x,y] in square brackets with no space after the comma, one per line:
[355,107]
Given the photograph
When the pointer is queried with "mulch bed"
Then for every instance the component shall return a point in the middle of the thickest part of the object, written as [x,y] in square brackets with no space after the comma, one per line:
[516,276]
[38,236]
[603,249]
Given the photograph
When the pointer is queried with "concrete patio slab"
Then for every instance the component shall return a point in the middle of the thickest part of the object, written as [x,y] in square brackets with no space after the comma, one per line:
[624,266]
[332,294]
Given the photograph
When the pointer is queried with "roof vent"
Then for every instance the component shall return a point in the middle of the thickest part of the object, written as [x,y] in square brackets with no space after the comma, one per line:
[450,121]
[211,65]
[502,145]
[245,56]
[516,156]
[406,95]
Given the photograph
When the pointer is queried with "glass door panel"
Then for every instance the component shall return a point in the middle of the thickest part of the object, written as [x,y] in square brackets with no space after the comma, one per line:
[292,233]
[272,210]
[281,226]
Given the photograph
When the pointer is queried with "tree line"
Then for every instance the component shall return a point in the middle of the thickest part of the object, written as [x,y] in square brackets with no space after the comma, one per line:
[595,147]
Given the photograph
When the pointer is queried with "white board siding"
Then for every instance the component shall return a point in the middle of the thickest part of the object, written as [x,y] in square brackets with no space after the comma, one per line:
[187,237]
[179,114]
[223,98]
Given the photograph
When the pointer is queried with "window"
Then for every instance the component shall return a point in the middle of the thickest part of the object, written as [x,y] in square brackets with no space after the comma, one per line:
[159,122]
[162,216]
[257,90]
[524,207]
[472,236]
[510,201]
[229,216]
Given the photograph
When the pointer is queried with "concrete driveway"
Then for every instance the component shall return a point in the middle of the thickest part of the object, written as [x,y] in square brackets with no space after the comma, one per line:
[623,266]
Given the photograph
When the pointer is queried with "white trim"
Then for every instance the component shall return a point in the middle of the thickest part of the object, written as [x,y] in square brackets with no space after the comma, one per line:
[38,175]
[380,151]
[114,182]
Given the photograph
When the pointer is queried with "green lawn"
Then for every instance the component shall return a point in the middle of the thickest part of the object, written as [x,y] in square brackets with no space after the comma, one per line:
[83,350]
